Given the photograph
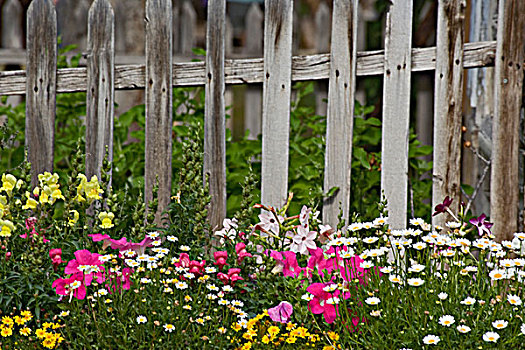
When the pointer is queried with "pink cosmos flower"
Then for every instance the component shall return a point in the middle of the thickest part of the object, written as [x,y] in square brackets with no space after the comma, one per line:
[220,258]
[240,249]
[319,304]
[281,313]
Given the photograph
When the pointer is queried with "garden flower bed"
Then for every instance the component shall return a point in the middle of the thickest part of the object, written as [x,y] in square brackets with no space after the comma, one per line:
[81,269]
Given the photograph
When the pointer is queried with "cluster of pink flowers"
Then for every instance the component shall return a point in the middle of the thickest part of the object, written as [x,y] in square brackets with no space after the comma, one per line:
[324,296]
[31,228]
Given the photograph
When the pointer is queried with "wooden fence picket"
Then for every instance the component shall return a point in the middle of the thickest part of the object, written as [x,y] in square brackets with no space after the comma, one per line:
[214,114]
[277,89]
[322,45]
[41,86]
[12,35]
[448,104]
[158,101]
[100,86]
[340,115]
[504,189]
[253,48]
[396,111]
[188,26]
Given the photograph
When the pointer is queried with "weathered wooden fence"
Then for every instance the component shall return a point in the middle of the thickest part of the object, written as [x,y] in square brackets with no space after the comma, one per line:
[276,70]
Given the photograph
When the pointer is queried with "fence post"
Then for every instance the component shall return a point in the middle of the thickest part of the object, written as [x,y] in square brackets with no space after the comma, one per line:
[448,104]
[504,187]
[340,115]
[41,86]
[158,102]
[396,111]
[12,35]
[100,85]
[214,122]
[253,47]
[277,88]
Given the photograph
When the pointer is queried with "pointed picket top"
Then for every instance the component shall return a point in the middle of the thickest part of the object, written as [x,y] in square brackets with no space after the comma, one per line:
[41,38]
[100,85]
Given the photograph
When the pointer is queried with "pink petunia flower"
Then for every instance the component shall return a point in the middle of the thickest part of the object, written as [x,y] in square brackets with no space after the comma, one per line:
[288,262]
[319,303]
[86,263]
[281,313]
[73,286]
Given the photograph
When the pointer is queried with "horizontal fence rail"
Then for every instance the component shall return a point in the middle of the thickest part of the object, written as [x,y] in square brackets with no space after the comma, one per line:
[251,71]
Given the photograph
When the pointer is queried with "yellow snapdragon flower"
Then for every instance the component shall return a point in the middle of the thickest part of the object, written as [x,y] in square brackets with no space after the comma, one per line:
[6,227]
[106,218]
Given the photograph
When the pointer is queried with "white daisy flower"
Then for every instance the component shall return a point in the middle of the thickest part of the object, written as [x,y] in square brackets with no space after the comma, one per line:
[446,320]
[416,268]
[523,329]
[332,300]
[468,301]
[419,245]
[210,269]
[184,248]
[181,285]
[330,288]
[169,327]
[496,275]
[153,234]
[500,324]
[463,329]
[491,337]
[415,282]
[395,279]
[431,339]
[227,288]
[172,238]
[442,295]
[453,224]
[370,240]
[372,301]
[514,299]
[307,297]
[142,319]
[386,269]
[366,265]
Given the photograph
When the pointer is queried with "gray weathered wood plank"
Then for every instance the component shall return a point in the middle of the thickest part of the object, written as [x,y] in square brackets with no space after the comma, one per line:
[340,115]
[322,45]
[158,102]
[250,71]
[504,189]
[277,87]
[41,37]
[396,111]
[254,48]
[188,28]
[448,105]
[12,31]
[100,81]
[214,117]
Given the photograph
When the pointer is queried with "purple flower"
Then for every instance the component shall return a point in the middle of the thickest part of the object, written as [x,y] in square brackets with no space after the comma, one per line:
[482,225]
[281,313]
[442,207]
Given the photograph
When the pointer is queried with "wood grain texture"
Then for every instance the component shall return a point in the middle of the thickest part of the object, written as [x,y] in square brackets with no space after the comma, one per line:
[396,111]
[322,45]
[253,48]
[100,80]
[251,71]
[158,102]
[41,86]
[188,28]
[12,31]
[340,116]
[448,105]
[277,86]
[214,117]
[504,189]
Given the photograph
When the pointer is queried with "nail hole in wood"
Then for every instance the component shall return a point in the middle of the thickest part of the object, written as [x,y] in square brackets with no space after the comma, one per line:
[457,61]
[267,75]
[398,67]
[282,86]
[337,72]
[35,89]
[209,76]
[151,81]
[388,72]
